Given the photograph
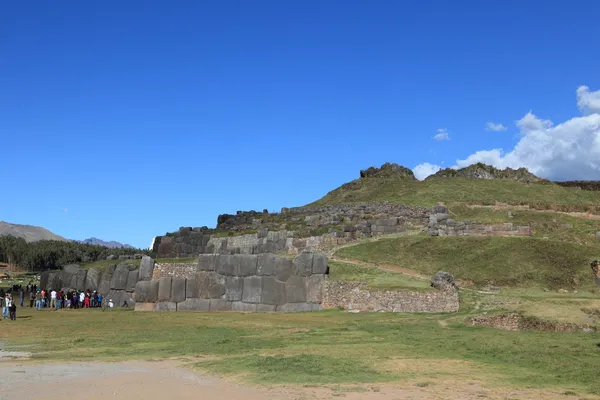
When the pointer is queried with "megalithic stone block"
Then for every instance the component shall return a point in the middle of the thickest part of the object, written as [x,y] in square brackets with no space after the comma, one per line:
[284,269]
[194,305]
[226,265]
[81,274]
[104,285]
[178,290]
[146,292]
[146,269]
[273,291]
[234,288]
[44,277]
[119,278]
[246,264]
[252,289]
[295,289]
[267,265]
[132,279]
[303,264]
[314,288]
[92,279]
[164,289]
[319,264]
[207,262]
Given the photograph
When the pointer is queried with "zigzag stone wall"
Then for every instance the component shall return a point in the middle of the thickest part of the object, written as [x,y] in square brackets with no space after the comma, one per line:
[240,282]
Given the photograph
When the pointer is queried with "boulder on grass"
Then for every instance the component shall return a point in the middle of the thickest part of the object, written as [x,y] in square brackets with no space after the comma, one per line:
[443,281]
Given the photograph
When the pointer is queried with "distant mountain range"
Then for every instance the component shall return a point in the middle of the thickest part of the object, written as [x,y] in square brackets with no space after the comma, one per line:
[35,233]
[28,232]
[100,242]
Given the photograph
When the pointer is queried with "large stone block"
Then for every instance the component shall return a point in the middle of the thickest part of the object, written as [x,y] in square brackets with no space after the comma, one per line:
[110,269]
[146,292]
[319,265]
[144,306]
[164,289]
[220,305]
[146,269]
[54,281]
[439,209]
[178,290]
[165,306]
[266,308]
[226,265]
[273,291]
[208,262]
[127,297]
[104,284]
[246,264]
[192,287]
[92,279]
[44,278]
[194,305]
[115,296]
[234,288]
[267,265]
[303,264]
[295,289]
[80,279]
[132,279]
[299,307]
[69,272]
[239,306]
[284,269]
[119,278]
[314,288]
[252,289]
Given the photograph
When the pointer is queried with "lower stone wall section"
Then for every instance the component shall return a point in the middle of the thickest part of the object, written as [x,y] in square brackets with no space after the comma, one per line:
[355,296]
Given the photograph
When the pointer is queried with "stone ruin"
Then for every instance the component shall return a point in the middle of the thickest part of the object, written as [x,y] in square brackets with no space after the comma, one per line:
[241,282]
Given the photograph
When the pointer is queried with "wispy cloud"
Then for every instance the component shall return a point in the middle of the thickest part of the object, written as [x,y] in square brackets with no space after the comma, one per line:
[442,134]
[492,127]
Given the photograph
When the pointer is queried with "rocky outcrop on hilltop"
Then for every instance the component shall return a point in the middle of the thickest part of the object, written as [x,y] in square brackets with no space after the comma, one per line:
[582,185]
[388,170]
[483,171]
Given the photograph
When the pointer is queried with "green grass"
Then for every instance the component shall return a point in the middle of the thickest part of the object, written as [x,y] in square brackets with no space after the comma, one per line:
[317,348]
[516,262]
[459,190]
[376,278]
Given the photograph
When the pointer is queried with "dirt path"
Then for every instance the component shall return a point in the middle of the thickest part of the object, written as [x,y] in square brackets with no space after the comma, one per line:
[165,379]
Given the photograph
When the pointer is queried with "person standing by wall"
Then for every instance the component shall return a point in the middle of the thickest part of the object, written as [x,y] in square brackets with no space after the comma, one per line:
[31,299]
[53,299]
[5,306]
[13,311]
[21,296]
[38,300]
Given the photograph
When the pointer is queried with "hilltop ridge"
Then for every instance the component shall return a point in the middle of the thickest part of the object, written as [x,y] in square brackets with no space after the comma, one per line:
[484,171]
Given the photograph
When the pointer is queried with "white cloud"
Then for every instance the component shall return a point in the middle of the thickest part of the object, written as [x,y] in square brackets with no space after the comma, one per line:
[442,134]
[490,126]
[422,171]
[566,151]
[588,102]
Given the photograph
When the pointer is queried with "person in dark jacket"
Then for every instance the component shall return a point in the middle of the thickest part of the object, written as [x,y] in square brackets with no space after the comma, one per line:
[13,311]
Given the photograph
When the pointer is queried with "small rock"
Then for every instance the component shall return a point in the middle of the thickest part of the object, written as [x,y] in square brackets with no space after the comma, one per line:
[354,311]
[546,290]
[510,214]
[495,289]
[563,291]
[443,281]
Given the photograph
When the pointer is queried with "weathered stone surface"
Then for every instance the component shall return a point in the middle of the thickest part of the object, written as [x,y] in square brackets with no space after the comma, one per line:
[132,279]
[226,265]
[146,269]
[127,297]
[115,296]
[267,264]
[597,235]
[252,289]
[298,307]
[443,281]
[178,290]
[208,262]
[81,274]
[44,277]
[220,305]
[266,308]
[194,305]
[441,217]
[146,292]
[273,291]
[70,271]
[239,306]
[303,264]
[104,284]
[164,289]
[246,264]
[119,278]
[54,280]
[144,306]
[319,264]
[295,289]
[92,279]
[110,269]
[165,306]
[314,288]
[192,287]
[234,288]
[284,269]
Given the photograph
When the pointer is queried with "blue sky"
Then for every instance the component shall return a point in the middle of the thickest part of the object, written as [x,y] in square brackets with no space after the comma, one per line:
[125,120]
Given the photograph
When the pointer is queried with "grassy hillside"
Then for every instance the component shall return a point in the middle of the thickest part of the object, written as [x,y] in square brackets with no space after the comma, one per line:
[516,262]
[462,190]
[28,232]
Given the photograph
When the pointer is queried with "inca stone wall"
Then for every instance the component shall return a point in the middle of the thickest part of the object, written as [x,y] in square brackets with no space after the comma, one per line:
[116,283]
[355,296]
[441,224]
[240,282]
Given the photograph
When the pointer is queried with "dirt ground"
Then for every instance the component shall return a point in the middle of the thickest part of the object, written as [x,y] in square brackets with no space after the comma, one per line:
[166,379]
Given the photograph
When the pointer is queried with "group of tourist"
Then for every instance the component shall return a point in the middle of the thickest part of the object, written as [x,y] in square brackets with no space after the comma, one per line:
[50,299]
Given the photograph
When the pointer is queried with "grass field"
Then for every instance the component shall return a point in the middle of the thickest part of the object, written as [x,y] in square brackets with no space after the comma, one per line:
[505,261]
[461,191]
[330,347]
[377,278]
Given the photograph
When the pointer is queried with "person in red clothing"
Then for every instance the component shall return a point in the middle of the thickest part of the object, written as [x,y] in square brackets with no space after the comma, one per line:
[86,302]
